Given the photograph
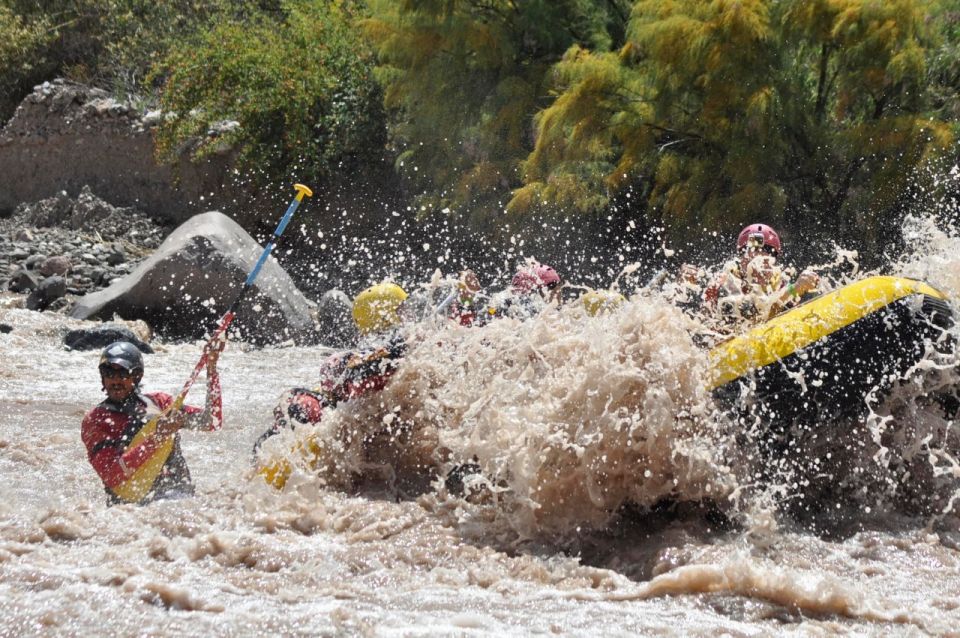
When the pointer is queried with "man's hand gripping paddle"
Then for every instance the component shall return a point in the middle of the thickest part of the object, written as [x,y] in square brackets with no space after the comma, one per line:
[136,486]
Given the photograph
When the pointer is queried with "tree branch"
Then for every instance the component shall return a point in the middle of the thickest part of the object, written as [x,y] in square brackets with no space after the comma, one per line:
[822,83]
[615,8]
[841,195]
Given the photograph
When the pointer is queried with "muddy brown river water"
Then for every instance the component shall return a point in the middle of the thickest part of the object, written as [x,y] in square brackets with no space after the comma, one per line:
[545,555]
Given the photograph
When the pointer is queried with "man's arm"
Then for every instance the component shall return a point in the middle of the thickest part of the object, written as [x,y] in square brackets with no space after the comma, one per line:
[806,282]
[211,417]
[107,456]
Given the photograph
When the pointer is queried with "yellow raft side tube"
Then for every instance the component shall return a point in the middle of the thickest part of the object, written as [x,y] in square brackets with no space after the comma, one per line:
[802,326]
[276,471]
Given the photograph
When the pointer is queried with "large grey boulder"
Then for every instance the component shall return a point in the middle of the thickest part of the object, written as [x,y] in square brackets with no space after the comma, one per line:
[335,319]
[102,336]
[193,277]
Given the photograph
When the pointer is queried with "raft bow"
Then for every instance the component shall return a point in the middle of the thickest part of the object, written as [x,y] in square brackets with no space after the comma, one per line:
[825,355]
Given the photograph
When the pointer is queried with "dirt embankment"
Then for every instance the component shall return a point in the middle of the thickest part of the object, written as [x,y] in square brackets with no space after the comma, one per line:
[65,136]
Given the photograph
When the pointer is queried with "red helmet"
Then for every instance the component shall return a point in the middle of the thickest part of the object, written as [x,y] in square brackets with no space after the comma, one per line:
[529,279]
[523,282]
[759,235]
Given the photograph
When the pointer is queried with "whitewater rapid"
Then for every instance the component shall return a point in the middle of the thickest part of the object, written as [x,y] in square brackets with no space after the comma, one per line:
[569,417]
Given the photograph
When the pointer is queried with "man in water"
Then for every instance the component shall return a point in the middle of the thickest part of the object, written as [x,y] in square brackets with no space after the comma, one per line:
[109,428]
[753,286]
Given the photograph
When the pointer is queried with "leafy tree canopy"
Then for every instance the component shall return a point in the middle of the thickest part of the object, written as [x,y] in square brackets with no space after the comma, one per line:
[810,112]
[710,113]
[299,84]
[110,43]
[464,77]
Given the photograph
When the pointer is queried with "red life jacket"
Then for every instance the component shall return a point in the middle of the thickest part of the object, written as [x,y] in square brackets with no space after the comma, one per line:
[344,376]
[107,431]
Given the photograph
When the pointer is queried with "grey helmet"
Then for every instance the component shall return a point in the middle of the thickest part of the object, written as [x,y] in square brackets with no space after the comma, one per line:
[123,354]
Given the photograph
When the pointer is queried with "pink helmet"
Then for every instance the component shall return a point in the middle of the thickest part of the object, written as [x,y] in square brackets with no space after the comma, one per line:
[529,279]
[548,276]
[760,235]
[523,282]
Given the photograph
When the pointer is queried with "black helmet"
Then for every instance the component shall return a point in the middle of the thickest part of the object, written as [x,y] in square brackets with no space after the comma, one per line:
[123,354]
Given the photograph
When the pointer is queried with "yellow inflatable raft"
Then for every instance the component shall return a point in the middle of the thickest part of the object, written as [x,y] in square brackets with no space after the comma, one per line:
[824,356]
[815,361]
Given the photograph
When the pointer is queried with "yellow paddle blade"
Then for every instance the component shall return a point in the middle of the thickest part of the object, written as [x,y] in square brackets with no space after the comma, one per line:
[276,473]
[138,484]
[278,470]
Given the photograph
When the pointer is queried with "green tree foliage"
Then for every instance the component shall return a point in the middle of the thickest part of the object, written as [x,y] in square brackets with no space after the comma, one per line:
[19,41]
[463,79]
[809,111]
[299,84]
[943,75]
[110,43]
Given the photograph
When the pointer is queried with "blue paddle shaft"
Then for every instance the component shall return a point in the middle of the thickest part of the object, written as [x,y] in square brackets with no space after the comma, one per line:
[276,235]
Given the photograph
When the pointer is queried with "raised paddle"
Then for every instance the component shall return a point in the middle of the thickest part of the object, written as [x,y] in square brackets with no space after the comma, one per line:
[136,486]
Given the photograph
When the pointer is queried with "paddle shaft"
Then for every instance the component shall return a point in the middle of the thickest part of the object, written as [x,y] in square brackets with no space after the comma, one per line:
[227,319]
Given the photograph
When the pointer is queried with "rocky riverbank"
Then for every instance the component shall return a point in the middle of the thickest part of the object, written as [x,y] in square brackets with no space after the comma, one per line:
[55,252]
[58,249]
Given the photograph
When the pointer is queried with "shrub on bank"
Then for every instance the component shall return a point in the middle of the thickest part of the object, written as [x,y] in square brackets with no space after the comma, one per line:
[108,43]
[298,83]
